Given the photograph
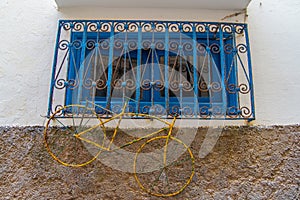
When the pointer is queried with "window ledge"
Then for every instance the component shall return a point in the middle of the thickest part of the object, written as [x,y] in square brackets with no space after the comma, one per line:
[186,4]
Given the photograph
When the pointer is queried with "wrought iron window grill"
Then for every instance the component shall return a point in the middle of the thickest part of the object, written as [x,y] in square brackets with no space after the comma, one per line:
[198,70]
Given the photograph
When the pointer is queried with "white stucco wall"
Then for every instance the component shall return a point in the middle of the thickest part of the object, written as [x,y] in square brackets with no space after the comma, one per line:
[274,28]
[28,31]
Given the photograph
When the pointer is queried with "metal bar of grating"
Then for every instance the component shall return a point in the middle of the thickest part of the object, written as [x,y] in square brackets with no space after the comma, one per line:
[194,70]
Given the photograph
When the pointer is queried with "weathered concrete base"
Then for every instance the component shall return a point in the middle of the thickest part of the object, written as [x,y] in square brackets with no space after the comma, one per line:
[246,163]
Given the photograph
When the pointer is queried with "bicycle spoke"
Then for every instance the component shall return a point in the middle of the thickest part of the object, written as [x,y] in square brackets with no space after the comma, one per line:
[170,179]
[74,124]
[82,117]
[63,124]
[89,119]
[179,162]
[64,145]
[70,149]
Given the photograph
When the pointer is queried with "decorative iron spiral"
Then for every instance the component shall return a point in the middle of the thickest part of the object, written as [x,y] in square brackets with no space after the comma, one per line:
[118,44]
[117,108]
[93,27]
[227,29]
[244,89]
[66,26]
[104,44]
[90,44]
[58,107]
[175,110]
[105,27]
[63,45]
[213,28]
[147,27]
[239,29]
[146,84]
[187,27]
[231,88]
[158,86]
[174,28]
[100,84]
[132,27]
[204,112]
[216,87]
[60,84]
[228,48]
[215,48]
[88,83]
[146,44]
[159,27]
[232,112]
[245,112]
[217,111]
[76,44]
[203,86]
[242,48]
[187,46]
[159,110]
[200,28]
[187,111]
[72,83]
[78,26]
[187,86]
[118,84]
[120,27]
[174,86]
[145,109]
[132,45]
[201,48]
[173,45]
[130,84]
[160,45]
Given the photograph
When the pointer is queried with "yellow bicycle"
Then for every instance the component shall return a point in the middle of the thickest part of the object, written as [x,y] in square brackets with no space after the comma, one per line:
[163,165]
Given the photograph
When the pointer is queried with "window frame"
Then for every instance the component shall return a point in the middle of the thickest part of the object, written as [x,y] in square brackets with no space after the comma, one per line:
[232,100]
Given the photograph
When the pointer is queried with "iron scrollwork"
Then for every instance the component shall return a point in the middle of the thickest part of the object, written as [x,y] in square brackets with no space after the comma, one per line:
[203,61]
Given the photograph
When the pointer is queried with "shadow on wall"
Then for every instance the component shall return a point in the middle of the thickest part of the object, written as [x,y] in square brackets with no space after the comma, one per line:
[246,163]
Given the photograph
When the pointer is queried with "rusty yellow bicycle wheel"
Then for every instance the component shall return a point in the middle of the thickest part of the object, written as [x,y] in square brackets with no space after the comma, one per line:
[72,134]
[164,167]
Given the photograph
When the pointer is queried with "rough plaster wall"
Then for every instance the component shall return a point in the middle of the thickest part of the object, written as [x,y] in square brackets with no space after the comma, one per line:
[246,163]
[28,30]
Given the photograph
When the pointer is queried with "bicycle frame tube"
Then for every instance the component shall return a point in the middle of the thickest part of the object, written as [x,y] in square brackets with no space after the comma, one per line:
[115,132]
[167,141]
[142,138]
[120,116]
[117,127]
